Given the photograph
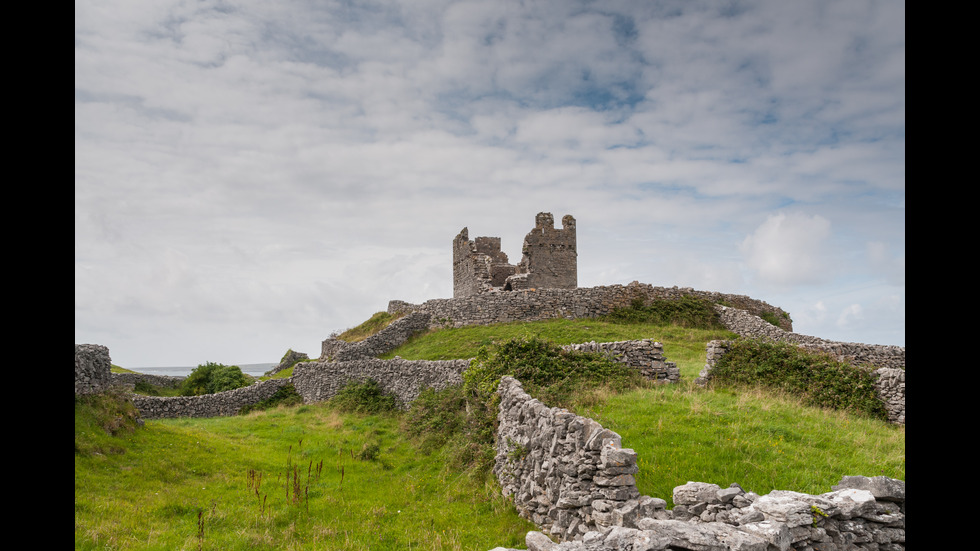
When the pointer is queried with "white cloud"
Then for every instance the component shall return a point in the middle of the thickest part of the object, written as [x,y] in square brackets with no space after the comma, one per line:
[789,249]
[851,315]
[262,165]
[890,266]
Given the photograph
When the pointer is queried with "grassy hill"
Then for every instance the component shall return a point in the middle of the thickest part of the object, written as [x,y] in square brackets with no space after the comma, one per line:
[313,477]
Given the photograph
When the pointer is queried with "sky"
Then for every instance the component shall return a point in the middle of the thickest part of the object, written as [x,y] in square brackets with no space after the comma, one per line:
[252,176]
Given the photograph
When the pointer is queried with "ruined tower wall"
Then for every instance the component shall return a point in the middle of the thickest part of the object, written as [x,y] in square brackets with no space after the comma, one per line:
[471,272]
[550,255]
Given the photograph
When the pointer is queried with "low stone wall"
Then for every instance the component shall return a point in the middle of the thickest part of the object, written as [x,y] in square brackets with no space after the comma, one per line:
[229,402]
[572,478]
[130,379]
[746,324]
[382,342]
[560,468]
[319,381]
[92,368]
[891,391]
[646,355]
[583,302]
[288,360]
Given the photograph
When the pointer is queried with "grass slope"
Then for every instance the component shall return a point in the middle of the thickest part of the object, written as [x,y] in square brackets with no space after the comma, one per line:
[681,344]
[306,477]
[331,480]
[761,439]
[756,438]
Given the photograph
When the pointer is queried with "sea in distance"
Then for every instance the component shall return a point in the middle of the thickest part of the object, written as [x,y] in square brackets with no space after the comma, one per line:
[255,370]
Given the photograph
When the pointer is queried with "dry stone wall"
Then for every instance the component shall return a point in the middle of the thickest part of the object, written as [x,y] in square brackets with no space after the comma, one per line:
[891,391]
[405,379]
[583,302]
[289,359]
[382,342]
[572,478]
[746,324]
[92,368]
[646,356]
[229,402]
[130,380]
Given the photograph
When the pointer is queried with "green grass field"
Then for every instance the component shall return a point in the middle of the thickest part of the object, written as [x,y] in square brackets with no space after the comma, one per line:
[305,477]
[310,477]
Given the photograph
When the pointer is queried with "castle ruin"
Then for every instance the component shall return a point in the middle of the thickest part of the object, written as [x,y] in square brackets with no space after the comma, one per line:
[549,261]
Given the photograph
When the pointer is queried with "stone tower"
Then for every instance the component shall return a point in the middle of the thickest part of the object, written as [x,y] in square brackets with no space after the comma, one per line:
[550,255]
[549,260]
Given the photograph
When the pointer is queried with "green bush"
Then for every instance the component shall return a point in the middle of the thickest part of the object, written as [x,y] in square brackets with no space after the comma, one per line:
[817,378]
[364,397]
[547,371]
[686,312]
[213,377]
[463,417]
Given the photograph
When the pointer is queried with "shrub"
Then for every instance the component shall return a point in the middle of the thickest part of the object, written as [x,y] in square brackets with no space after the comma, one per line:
[547,371]
[213,377]
[817,378]
[686,311]
[364,397]
[461,419]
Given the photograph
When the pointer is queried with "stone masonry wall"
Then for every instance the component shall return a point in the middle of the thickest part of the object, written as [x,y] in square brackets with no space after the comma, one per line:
[478,265]
[382,342]
[288,360]
[93,368]
[572,478]
[130,379]
[229,402]
[646,355]
[748,325]
[891,390]
[319,381]
[583,302]
[550,255]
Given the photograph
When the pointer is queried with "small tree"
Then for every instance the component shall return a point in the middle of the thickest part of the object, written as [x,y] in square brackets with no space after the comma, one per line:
[213,377]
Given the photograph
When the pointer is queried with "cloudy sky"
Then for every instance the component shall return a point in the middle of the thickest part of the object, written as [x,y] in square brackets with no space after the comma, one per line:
[251,176]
